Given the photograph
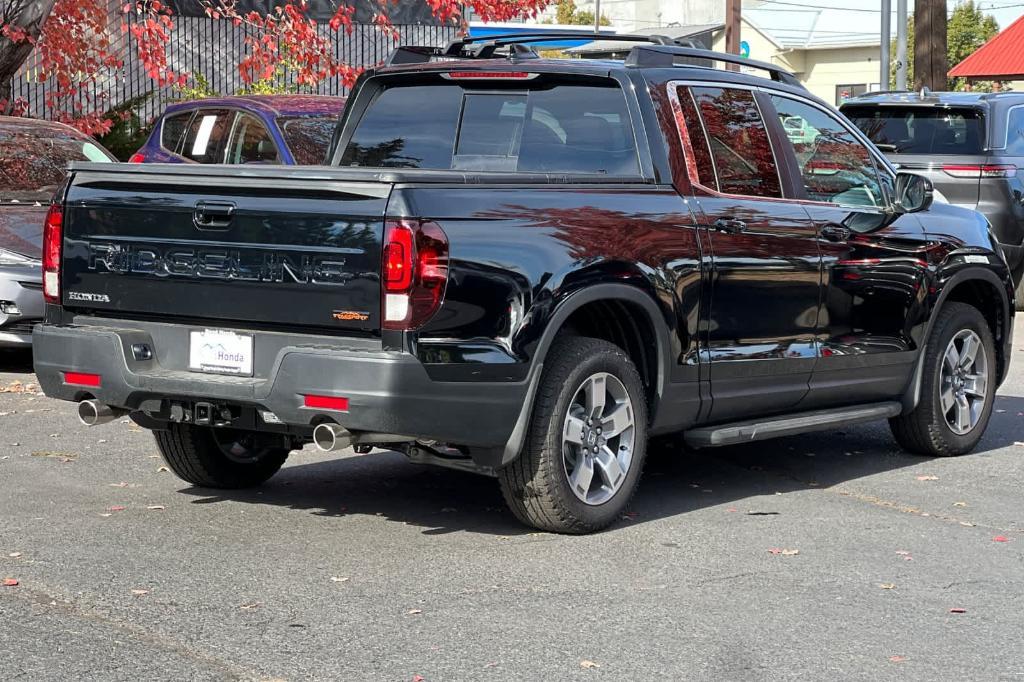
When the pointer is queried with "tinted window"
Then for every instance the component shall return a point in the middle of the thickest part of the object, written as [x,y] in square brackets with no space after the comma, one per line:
[173,129]
[206,135]
[920,130]
[407,127]
[575,129]
[738,141]
[1015,132]
[834,165]
[308,137]
[33,162]
[251,142]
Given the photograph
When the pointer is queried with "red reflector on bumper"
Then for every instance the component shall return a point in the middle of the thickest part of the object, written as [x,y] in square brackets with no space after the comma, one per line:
[81,379]
[326,402]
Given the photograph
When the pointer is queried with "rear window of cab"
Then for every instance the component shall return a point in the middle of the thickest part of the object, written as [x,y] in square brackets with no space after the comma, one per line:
[497,125]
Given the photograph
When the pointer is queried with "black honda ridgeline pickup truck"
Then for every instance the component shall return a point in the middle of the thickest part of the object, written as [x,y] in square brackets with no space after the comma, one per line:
[526,268]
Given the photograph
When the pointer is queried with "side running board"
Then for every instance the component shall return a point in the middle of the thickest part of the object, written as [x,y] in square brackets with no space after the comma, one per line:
[788,424]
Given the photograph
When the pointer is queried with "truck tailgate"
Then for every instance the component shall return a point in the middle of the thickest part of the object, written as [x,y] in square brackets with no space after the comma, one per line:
[263,246]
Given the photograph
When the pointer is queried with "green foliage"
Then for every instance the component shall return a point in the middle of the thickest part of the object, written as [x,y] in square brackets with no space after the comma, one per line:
[199,88]
[967,29]
[567,13]
[128,131]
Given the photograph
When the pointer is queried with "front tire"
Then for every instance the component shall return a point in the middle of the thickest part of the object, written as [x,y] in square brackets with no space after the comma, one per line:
[585,448]
[219,458]
[957,389]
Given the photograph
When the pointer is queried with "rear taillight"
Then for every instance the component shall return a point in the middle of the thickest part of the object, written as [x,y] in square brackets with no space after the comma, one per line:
[52,238]
[974,170]
[414,272]
[136,158]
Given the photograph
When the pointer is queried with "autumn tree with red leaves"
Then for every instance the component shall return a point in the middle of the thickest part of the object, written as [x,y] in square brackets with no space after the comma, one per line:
[282,46]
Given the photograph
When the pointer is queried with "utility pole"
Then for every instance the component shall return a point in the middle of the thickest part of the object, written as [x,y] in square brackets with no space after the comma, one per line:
[884,63]
[930,45]
[597,16]
[733,15]
[901,44]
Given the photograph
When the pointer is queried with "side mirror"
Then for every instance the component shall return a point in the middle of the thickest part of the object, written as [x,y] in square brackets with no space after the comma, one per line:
[913,193]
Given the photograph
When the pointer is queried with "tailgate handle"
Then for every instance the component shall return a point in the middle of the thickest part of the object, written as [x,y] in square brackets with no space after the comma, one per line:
[212,215]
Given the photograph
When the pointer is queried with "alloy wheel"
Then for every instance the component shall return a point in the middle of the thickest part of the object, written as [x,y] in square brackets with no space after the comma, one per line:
[963,382]
[598,438]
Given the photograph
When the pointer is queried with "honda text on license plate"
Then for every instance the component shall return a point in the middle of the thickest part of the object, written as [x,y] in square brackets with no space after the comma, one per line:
[220,352]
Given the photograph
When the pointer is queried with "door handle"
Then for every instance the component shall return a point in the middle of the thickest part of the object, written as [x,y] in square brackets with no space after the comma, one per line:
[211,215]
[835,233]
[730,225]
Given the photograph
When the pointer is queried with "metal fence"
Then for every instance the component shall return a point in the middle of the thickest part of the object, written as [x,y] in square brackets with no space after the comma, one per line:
[211,49]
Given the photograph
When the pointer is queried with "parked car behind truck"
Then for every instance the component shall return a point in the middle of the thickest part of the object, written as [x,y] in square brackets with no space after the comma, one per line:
[969,144]
[525,268]
[244,129]
[33,158]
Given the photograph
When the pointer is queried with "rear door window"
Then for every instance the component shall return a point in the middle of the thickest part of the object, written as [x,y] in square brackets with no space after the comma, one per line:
[1015,132]
[251,142]
[564,128]
[921,130]
[207,135]
[732,152]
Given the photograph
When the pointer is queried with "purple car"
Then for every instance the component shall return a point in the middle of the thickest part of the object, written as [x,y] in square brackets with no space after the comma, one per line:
[274,129]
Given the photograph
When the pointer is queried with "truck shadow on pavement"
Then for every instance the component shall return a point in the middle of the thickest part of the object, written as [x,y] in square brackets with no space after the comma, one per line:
[676,481]
[15,361]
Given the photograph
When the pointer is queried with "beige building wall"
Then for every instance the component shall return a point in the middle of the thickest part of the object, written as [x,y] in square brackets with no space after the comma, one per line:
[820,70]
[825,70]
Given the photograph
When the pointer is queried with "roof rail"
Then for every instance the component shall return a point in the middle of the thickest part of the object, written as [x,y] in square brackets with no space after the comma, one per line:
[665,56]
[484,47]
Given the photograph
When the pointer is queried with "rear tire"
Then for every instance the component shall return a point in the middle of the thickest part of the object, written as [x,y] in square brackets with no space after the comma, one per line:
[957,389]
[218,458]
[585,448]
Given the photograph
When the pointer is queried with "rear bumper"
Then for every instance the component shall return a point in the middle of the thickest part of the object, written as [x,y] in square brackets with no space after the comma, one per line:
[387,392]
[23,286]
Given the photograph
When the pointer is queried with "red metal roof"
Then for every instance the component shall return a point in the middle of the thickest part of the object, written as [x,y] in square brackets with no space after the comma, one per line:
[1001,58]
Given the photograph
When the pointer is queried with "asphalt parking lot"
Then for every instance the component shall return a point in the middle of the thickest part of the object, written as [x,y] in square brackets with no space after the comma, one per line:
[827,556]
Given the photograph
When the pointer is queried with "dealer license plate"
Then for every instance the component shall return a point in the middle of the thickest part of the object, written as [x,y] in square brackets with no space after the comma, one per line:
[220,352]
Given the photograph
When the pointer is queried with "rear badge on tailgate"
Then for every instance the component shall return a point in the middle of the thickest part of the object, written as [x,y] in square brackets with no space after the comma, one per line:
[350,315]
[91,298]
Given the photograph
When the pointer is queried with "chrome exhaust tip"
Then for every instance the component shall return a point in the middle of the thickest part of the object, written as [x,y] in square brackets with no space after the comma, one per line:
[331,437]
[94,413]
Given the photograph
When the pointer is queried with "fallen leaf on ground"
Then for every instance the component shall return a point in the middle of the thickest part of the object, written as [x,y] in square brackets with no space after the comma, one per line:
[418,678]
[1000,538]
[927,478]
[1019,444]
[336,579]
[732,510]
[62,456]
[784,552]
[959,504]
[958,610]
[139,593]
[888,586]
[14,555]
[161,469]
[156,507]
[10,582]
[122,484]
[116,508]
[897,659]
[589,665]
[414,612]
[249,606]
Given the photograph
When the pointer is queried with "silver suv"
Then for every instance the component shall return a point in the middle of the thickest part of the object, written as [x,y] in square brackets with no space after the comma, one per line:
[971,146]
